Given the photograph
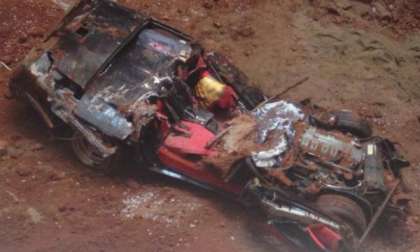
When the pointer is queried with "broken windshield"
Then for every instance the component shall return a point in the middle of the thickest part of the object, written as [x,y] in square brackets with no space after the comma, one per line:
[139,67]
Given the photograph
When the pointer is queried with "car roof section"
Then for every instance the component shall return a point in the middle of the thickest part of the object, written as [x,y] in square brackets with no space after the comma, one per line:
[90,35]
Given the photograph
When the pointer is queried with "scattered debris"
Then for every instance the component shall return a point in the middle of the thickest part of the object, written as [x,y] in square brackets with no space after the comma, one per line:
[5,66]
[158,206]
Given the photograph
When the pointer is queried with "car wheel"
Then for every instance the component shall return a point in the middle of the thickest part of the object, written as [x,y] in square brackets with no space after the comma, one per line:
[231,75]
[348,122]
[90,156]
[343,209]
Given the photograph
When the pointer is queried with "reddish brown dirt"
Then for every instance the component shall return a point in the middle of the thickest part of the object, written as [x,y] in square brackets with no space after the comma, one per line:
[405,14]
[17,37]
[49,202]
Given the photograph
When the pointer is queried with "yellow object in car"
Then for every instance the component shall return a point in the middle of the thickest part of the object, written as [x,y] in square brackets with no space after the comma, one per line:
[209,90]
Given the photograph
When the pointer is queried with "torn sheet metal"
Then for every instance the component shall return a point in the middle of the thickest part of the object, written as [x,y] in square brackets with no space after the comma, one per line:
[40,70]
[134,75]
[105,117]
[91,38]
[276,117]
[63,104]
[139,69]
[271,157]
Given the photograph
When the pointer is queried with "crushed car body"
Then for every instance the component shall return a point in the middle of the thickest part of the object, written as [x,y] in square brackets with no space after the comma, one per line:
[122,80]
[76,74]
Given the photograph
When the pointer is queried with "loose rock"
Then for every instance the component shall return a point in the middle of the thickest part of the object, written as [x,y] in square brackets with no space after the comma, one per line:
[56,176]
[132,183]
[24,171]
[381,11]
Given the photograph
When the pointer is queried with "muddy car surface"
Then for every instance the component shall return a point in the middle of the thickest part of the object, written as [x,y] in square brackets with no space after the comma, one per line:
[124,81]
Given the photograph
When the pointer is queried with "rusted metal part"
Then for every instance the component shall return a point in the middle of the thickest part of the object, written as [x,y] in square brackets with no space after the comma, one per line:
[142,113]
[136,75]
[37,106]
[276,138]
[22,82]
[374,167]
[115,59]
[281,177]
[378,214]
[105,117]
[295,213]
[314,188]
[279,95]
[263,135]
[331,146]
[236,143]
[91,38]
[40,70]
[324,163]
[79,7]
[63,106]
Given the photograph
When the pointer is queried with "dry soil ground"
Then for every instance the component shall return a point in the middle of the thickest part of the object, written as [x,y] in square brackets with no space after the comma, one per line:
[360,55]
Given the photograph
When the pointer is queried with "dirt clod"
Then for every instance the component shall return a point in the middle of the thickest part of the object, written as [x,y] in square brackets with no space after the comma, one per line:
[56,176]
[24,171]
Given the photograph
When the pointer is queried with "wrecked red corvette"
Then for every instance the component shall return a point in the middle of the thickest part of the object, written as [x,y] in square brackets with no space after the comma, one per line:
[124,81]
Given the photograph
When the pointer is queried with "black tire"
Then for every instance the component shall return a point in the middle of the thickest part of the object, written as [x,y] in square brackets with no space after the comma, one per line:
[91,157]
[348,122]
[231,75]
[343,209]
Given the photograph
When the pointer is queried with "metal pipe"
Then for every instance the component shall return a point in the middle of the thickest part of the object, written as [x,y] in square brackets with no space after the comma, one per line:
[297,214]
[40,110]
[378,214]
